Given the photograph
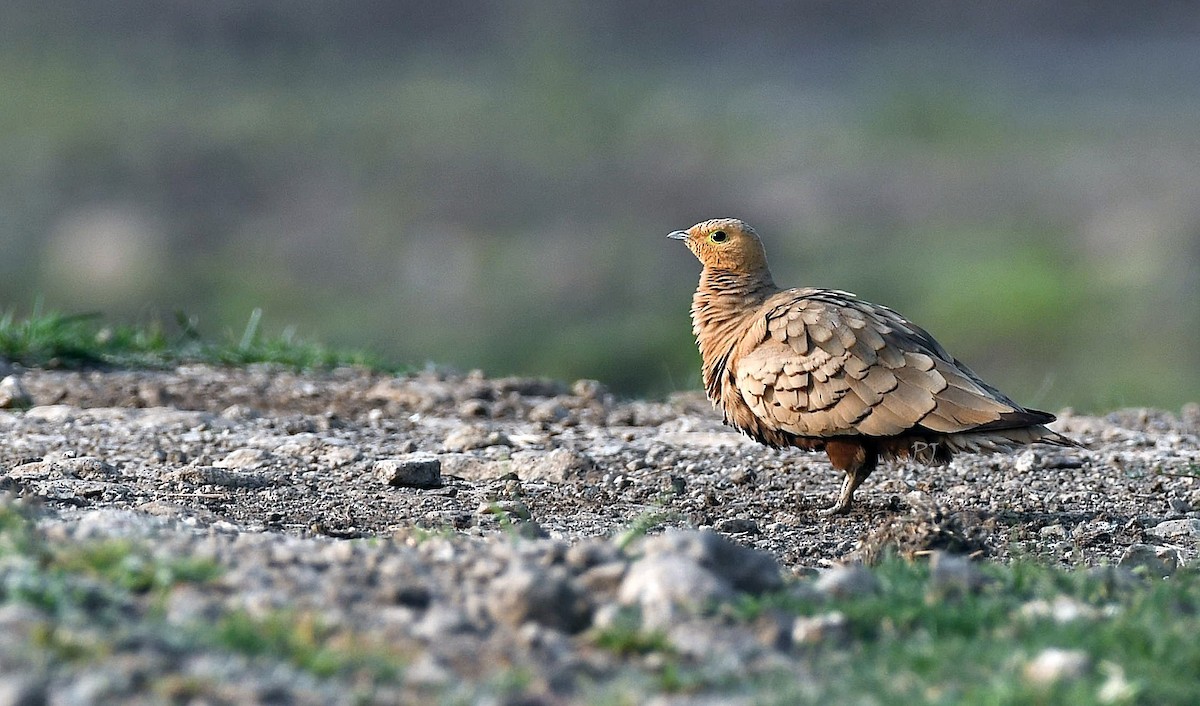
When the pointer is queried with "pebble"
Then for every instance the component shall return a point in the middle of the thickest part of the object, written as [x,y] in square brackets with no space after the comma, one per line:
[1154,561]
[544,596]
[1187,529]
[745,569]
[953,575]
[13,394]
[1063,609]
[666,586]
[224,477]
[22,690]
[244,459]
[847,581]
[557,466]
[824,628]
[469,437]
[1053,665]
[548,412]
[412,471]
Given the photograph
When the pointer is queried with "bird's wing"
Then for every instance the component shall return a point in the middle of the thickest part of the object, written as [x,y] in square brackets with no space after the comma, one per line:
[825,363]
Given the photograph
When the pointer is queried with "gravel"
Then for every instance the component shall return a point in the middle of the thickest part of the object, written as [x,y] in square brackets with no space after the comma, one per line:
[474,528]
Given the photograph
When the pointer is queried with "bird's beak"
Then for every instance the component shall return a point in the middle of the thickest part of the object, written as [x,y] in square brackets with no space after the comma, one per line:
[678,235]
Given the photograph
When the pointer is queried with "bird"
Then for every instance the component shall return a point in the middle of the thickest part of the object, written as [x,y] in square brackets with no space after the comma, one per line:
[822,370]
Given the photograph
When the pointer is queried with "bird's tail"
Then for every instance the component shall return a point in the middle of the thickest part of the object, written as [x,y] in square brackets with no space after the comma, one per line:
[1007,440]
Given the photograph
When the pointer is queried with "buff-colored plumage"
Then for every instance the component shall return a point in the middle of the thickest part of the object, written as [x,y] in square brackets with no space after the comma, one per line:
[823,370]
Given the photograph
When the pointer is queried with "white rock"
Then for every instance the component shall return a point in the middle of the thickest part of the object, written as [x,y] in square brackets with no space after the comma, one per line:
[53,413]
[244,459]
[1063,609]
[1177,529]
[1053,665]
[850,581]
[813,629]
[745,569]
[13,394]
[663,586]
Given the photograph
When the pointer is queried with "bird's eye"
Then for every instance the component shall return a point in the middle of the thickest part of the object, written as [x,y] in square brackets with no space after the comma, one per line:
[718,237]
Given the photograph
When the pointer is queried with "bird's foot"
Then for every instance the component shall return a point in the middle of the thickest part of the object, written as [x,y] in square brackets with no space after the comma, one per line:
[838,508]
[846,496]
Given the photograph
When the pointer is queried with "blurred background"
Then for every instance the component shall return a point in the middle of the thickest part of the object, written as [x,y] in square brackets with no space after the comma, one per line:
[488,184]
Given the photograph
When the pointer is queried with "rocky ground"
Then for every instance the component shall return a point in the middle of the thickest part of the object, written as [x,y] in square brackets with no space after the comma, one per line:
[476,529]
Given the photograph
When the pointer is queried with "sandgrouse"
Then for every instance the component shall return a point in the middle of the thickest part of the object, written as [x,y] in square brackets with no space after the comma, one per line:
[820,369]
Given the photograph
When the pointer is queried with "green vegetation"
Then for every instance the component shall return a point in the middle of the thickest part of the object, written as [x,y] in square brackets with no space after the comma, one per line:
[910,644]
[90,594]
[643,523]
[307,643]
[626,637]
[56,340]
[61,578]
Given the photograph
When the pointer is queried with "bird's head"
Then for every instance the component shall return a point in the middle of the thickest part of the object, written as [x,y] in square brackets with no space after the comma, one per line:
[725,244]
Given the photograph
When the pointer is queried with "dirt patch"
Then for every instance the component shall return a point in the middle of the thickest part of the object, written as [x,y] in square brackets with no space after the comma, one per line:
[580,462]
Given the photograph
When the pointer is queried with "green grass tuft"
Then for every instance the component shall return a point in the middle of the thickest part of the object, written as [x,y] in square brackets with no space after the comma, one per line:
[626,637]
[56,340]
[304,641]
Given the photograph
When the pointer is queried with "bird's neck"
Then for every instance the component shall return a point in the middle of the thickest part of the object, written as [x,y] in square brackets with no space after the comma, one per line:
[722,304]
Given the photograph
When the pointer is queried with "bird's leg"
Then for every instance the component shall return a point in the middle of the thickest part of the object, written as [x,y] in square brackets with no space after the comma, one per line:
[857,461]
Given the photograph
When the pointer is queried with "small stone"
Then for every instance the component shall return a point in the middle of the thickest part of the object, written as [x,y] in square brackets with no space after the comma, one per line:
[1063,609]
[548,412]
[22,690]
[412,471]
[1052,665]
[1151,560]
[738,525]
[337,455]
[1055,531]
[847,581]
[604,579]
[244,459]
[744,568]
[513,508]
[1116,688]
[13,394]
[544,596]
[1179,506]
[588,389]
[472,467]
[953,575]
[87,468]
[1177,529]
[469,437]
[213,475]
[811,630]
[558,466]
[665,585]
[53,413]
